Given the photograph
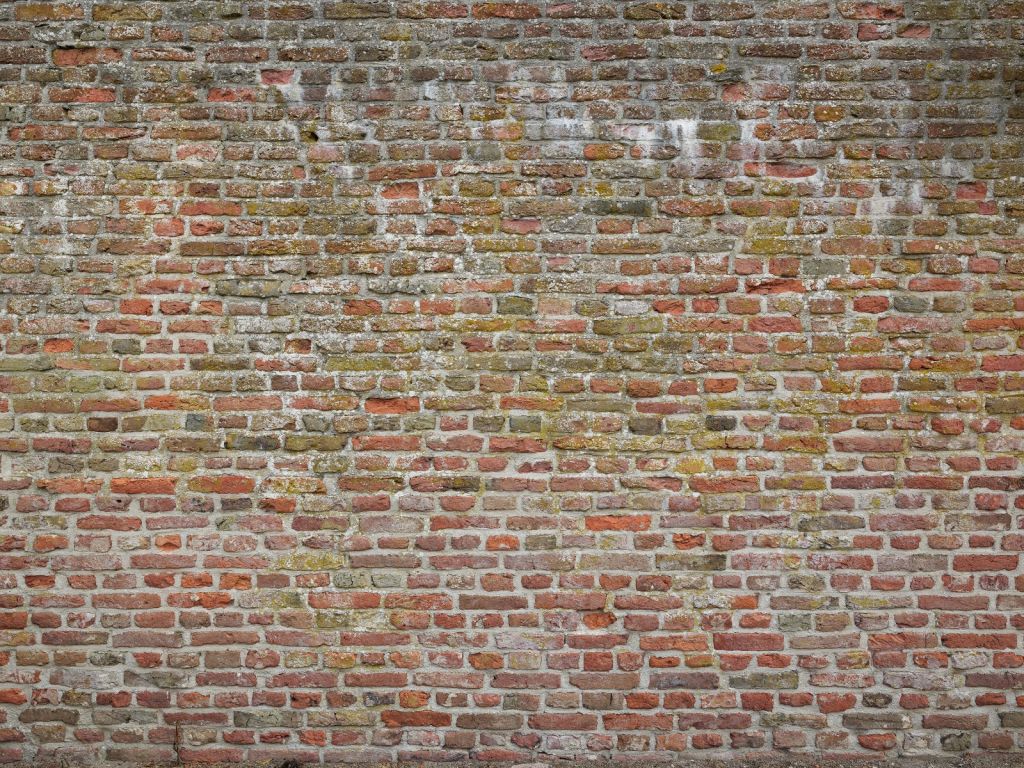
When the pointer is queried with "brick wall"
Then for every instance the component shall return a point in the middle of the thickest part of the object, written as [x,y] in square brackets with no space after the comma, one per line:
[484,380]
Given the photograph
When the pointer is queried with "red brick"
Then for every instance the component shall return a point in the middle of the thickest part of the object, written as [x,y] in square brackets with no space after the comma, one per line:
[460,383]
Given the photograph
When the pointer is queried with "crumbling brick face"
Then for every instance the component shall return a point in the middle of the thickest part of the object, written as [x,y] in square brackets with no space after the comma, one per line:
[500,380]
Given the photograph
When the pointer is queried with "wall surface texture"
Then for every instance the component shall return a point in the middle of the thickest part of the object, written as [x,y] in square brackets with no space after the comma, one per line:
[496,381]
